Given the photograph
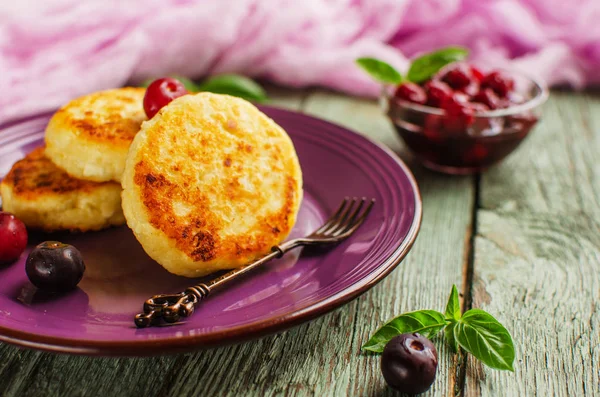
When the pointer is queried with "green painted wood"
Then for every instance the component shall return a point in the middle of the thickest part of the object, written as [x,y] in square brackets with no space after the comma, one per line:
[537,256]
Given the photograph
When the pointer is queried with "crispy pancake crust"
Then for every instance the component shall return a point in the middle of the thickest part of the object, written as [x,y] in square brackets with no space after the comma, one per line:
[45,197]
[210,183]
[90,136]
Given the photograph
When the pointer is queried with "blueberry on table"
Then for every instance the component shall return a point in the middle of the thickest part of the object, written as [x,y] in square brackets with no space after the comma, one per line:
[409,363]
[55,266]
[13,238]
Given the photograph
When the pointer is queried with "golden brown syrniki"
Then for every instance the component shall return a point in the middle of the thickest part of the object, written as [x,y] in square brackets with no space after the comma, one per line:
[210,183]
[45,197]
[90,136]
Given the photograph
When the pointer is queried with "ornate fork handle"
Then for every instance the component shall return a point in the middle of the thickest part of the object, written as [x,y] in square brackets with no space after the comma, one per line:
[171,308]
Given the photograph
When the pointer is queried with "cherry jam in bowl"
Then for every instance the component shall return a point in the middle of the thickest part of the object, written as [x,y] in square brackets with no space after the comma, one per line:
[457,142]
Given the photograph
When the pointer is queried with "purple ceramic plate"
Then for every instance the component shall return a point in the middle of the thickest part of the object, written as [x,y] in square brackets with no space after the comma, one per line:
[97,318]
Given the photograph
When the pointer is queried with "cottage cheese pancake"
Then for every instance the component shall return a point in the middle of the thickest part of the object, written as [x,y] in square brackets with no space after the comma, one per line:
[210,183]
[90,136]
[45,197]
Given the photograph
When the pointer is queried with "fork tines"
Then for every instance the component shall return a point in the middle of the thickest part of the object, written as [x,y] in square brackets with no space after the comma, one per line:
[346,219]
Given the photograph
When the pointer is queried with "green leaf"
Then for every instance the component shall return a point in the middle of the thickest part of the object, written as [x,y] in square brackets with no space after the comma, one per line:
[379,70]
[235,85]
[453,305]
[484,337]
[426,322]
[450,338]
[425,66]
[188,84]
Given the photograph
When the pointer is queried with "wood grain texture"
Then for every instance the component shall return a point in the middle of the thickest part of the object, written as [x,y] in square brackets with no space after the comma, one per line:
[557,169]
[320,358]
[537,256]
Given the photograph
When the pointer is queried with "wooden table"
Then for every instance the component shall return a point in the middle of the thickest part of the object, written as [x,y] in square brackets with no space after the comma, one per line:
[521,241]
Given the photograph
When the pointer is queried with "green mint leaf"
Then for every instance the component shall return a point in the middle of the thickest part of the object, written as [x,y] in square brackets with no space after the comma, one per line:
[425,66]
[187,83]
[380,71]
[235,85]
[484,337]
[453,305]
[426,322]
[450,337]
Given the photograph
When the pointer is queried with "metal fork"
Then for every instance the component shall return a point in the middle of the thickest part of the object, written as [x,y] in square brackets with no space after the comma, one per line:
[172,307]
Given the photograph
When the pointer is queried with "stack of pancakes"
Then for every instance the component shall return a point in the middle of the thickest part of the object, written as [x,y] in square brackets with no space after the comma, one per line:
[208,183]
[73,183]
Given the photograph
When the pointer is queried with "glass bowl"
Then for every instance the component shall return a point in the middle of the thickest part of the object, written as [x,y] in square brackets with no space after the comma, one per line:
[450,145]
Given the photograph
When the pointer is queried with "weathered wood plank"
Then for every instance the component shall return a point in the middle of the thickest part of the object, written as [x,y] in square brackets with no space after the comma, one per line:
[539,275]
[537,256]
[557,169]
[321,358]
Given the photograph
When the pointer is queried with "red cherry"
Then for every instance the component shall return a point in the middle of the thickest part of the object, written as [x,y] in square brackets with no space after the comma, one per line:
[13,238]
[459,76]
[476,154]
[411,92]
[437,93]
[499,82]
[459,114]
[478,74]
[160,92]
[487,97]
[432,128]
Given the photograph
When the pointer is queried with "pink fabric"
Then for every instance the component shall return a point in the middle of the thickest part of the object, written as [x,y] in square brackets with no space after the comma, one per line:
[54,50]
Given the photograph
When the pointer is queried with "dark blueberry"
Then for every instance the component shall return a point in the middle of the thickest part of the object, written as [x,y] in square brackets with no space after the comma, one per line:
[500,83]
[55,266]
[409,363]
[411,92]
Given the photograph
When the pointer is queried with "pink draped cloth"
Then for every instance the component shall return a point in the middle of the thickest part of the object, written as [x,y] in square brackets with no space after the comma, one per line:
[54,50]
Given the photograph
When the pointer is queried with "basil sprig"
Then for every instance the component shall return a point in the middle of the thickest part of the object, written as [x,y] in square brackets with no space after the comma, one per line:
[236,85]
[475,331]
[426,322]
[425,66]
[230,84]
[421,68]
[380,71]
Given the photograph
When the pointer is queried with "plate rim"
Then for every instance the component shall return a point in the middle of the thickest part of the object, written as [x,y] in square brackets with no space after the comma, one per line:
[242,333]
